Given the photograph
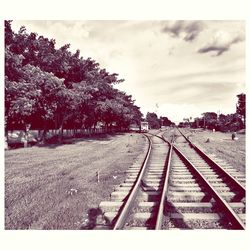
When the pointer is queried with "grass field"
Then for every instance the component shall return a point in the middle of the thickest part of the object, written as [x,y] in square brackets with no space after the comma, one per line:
[54,187]
[222,145]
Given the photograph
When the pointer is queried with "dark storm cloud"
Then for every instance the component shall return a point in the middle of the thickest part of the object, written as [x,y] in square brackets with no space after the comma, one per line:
[220,45]
[190,29]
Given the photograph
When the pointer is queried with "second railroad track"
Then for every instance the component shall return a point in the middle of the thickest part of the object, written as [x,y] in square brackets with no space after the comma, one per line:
[177,187]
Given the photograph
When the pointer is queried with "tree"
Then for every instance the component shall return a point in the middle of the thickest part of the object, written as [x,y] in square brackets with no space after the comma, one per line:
[8,32]
[13,65]
[153,120]
[49,98]
[198,122]
[224,123]
[241,107]
[165,121]
[37,94]
[209,119]
[230,122]
[186,122]
[20,103]
[129,112]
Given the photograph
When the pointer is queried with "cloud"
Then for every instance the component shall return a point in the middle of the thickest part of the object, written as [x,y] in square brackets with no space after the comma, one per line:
[188,29]
[221,42]
[198,93]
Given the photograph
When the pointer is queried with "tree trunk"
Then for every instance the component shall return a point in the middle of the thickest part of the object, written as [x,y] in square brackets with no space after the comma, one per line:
[26,135]
[6,136]
[61,131]
[106,127]
[44,133]
[25,141]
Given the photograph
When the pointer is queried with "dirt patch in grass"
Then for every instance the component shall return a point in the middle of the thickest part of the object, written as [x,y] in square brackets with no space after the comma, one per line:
[221,145]
[54,187]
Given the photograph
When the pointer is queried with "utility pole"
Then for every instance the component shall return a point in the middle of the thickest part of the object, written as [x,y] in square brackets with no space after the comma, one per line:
[156,108]
[218,115]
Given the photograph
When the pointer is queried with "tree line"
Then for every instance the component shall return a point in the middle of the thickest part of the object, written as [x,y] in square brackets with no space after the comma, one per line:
[221,122]
[155,123]
[50,88]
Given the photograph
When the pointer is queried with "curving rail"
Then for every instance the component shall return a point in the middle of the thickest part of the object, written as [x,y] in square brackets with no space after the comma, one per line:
[121,220]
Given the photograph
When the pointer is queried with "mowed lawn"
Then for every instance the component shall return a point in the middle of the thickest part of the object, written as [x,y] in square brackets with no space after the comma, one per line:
[55,187]
[222,145]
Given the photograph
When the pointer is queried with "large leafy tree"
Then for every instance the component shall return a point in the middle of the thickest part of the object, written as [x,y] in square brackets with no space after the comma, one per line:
[20,101]
[49,89]
[130,113]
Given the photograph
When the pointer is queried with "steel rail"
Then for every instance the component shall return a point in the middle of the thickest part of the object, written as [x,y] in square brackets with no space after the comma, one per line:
[231,215]
[236,183]
[158,225]
[121,220]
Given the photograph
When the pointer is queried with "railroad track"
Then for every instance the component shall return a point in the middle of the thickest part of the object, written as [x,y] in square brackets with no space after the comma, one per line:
[138,203]
[174,191]
[201,194]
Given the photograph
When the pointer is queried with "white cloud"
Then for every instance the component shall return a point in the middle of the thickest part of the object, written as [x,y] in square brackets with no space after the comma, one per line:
[158,68]
[221,42]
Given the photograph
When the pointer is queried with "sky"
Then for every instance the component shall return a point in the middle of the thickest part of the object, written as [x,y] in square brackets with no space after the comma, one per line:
[177,69]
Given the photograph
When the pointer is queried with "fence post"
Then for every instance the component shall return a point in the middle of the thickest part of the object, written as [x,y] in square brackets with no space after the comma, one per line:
[26,134]
[98,176]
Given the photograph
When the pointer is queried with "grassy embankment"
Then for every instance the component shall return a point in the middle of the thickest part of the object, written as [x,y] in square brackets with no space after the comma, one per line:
[54,187]
[222,145]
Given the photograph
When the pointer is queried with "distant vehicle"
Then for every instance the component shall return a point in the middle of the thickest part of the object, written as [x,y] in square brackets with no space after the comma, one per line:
[134,127]
[164,127]
[144,127]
